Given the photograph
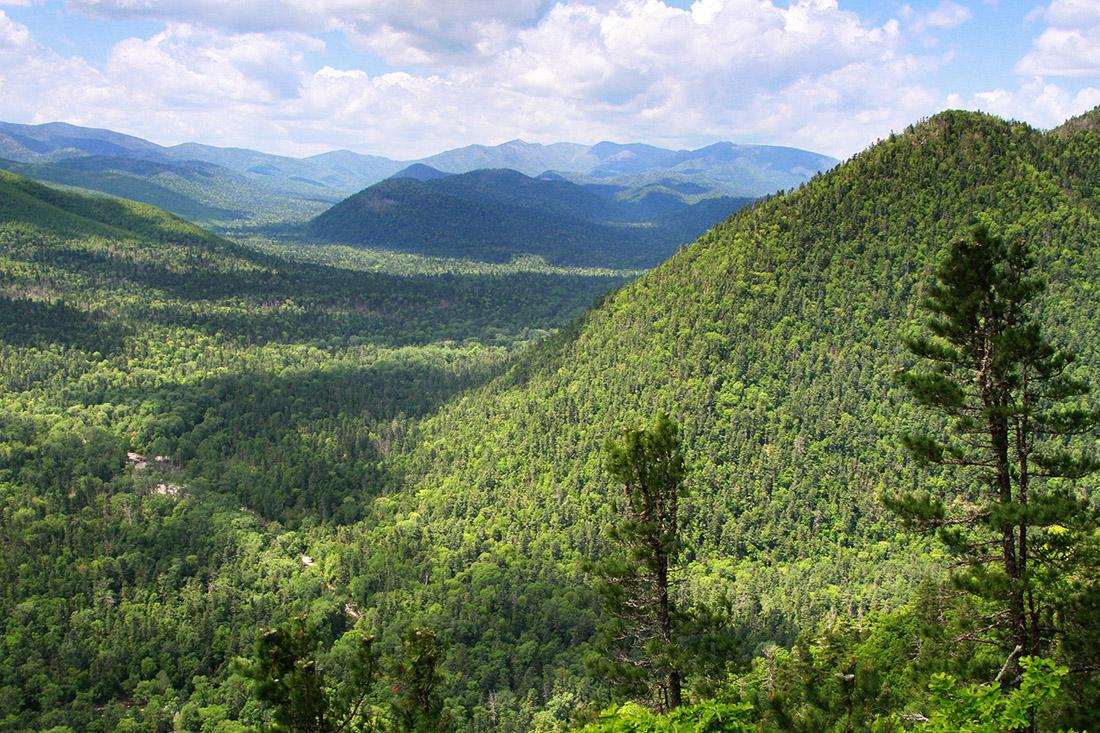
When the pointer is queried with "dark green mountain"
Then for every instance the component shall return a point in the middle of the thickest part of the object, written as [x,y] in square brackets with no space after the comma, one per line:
[495,215]
[420,172]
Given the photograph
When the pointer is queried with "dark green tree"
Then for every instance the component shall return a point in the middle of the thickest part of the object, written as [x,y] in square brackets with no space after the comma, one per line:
[638,645]
[417,704]
[1011,406]
[288,679]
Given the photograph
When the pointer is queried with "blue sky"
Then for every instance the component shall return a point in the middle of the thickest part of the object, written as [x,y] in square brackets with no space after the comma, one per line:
[405,78]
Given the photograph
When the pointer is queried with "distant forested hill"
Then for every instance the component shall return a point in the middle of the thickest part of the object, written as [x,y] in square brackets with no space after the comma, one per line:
[496,215]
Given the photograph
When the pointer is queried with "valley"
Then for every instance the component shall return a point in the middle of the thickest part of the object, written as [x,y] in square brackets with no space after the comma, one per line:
[381,403]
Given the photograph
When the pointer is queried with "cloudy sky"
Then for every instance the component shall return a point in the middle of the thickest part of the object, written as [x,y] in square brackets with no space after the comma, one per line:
[406,78]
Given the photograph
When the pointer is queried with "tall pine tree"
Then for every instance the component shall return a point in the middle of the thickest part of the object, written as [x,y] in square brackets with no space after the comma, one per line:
[640,653]
[1011,406]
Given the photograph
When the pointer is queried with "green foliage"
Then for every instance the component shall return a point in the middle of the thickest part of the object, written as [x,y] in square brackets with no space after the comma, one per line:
[705,717]
[638,646]
[417,704]
[986,708]
[1012,405]
[289,680]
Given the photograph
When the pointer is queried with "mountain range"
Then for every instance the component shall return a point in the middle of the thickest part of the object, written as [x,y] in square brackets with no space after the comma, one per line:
[497,215]
[234,186]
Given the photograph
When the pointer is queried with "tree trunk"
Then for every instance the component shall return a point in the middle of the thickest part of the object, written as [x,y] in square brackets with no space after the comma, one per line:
[675,698]
[998,431]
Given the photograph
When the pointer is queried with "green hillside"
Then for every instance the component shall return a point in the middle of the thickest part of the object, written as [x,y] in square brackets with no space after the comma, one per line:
[773,341]
[270,387]
[46,209]
[384,441]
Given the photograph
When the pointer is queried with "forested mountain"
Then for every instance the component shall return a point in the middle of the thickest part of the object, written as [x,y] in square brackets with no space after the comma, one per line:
[255,395]
[234,187]
[495,215]
[773,340]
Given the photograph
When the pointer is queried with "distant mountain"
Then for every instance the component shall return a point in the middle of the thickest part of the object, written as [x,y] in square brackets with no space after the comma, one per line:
[420,172]
[337,171]
[496,215]
[56,140]
[51,211]
[201,183]
[237,186]
[723,168]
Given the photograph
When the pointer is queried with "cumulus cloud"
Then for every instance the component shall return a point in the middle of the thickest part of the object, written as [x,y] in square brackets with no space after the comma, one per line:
[948,14]
[1070,44]
[1047,105]
[231,72]
[415,32]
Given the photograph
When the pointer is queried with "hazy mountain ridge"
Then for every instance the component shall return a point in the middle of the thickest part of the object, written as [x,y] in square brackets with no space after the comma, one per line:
[254,187]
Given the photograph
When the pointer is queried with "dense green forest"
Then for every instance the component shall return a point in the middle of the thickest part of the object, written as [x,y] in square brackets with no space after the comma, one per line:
[202,439]
[270,388]
[497,215]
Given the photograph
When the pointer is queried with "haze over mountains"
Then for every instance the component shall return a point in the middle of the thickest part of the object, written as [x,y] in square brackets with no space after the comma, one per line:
[232,185]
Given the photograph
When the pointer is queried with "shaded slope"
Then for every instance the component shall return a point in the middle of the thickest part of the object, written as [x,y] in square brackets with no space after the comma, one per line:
[496,215]
[129,178]
[773,340]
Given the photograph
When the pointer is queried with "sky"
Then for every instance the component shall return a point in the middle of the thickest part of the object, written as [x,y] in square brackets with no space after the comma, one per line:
[407,78]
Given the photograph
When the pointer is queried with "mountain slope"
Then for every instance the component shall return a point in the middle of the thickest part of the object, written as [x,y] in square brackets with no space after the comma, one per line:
[273,386]
[772,340]
[48,210]
[496,215]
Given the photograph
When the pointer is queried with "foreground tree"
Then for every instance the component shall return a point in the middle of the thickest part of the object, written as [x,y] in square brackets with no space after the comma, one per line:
[417,705]
[639,653]
[288,680]
[1012,407]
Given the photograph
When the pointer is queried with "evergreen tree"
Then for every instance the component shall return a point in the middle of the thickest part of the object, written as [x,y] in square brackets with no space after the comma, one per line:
[288,679]
[1012,406]
[640,654]
[417,705]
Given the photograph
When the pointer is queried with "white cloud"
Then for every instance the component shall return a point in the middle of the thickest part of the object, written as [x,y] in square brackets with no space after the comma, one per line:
[806,73]
[947,15]
[1070,45]
[401,31]
[1041,103]
[626,70]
